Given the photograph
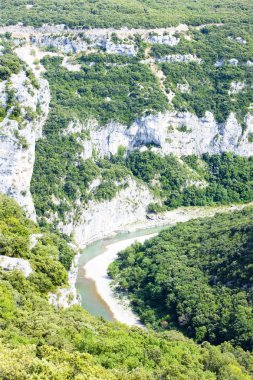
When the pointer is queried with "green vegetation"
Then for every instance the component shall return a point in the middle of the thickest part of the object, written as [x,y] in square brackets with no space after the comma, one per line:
[196,276]
[195,181]
[61,176]
[110,87]
[9,62]
[191,181]
[122,93]
[131,13]
[209,82]
[2,113]
[119,94]
[250,137]
[51,248]
[44,257]
[38,341]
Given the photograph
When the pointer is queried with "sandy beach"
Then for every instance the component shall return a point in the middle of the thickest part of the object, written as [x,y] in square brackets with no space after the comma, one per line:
[96,270]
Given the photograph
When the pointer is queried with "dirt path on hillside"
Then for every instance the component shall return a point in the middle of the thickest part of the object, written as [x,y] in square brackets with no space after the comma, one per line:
[158,74]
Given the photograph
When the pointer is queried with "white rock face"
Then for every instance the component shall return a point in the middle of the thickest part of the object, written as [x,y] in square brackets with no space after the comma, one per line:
[165,132]
[34,240]
[236,87]
[169,40]
[184,88]
[219,63]
[62,43]
[233,61]
[12,263]
[239,39]
[97,220]
[179,58]
[3,94]
[121,49]
[68,44]
[60,29]
[17,160]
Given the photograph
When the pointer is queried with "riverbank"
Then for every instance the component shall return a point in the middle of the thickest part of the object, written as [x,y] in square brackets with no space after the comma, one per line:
[96,270]
[182,214]
[171,217]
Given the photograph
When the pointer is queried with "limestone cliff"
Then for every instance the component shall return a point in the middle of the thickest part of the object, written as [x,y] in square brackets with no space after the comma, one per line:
[13,263]
[18,136]
[168,133]
[98,219]
[171,132]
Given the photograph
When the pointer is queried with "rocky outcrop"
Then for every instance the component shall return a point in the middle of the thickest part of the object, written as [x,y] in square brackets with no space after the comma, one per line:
[67,44]
[166,39]
[98,219]
[183,58]
[236,87]
[34,240]
[63,43]
[13,263]
[65,297]
[171,132]
[17,138]
[120,48]
[24,31]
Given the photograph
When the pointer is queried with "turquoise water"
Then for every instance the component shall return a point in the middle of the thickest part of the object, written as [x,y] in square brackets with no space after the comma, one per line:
[90,299]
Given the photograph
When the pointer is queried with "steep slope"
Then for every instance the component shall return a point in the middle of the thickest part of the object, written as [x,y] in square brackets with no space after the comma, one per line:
[39,341]
[196,276]
[24,104]
[115,91]
[107,99]
[140,120]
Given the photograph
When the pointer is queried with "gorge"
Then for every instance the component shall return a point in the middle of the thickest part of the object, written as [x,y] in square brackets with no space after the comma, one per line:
[126,181]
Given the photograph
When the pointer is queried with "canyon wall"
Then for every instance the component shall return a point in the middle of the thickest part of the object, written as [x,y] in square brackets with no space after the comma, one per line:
[169,133]
[17,139]
[96,220]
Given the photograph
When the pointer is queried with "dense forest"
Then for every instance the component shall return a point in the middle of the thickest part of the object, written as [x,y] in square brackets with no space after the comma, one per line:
[191,181]
[208,84]
[113,88]
[38,341]
[214,179]
[192,284]
[131,13]
[84,95]
[122,89]
[196,277]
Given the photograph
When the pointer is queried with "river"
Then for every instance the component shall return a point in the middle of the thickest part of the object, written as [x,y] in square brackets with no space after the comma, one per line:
[90,298]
